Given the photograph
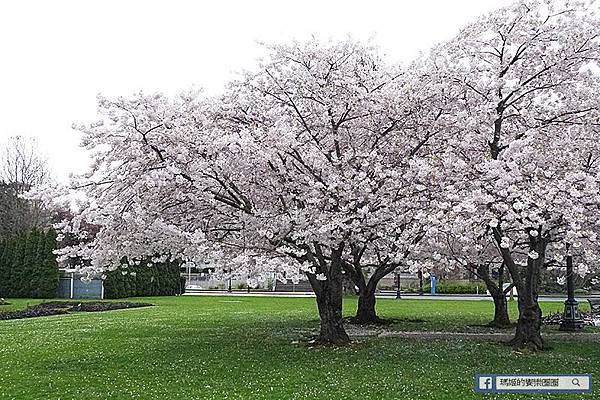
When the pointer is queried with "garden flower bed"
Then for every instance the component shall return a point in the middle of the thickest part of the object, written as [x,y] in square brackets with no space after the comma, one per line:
[64,307]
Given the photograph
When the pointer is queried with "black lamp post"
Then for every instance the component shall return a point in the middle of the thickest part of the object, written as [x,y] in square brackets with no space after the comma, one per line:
[398,284]
[229,283]
[572,320]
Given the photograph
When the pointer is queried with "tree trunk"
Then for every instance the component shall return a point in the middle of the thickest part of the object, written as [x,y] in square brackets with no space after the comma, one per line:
[329,294]
[332,330]
[365,313]
[528,335]
[501,318]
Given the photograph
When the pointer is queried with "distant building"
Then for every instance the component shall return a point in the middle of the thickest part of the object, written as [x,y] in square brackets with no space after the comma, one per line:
[70,286]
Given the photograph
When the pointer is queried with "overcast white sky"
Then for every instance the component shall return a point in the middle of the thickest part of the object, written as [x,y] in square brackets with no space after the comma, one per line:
[55,56]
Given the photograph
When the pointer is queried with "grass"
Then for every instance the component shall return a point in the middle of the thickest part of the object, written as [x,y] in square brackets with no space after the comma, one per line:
[244,347]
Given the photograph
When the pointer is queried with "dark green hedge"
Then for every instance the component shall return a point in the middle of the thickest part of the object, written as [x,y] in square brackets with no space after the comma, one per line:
[146,279]
[28,265]
[449,287]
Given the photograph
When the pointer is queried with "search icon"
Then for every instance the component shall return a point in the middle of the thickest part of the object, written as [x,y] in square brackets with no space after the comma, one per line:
[575,382]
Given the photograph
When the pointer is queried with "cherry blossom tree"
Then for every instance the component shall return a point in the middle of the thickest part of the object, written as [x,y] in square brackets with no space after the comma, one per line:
[314,165]
[522,172]
[363,134]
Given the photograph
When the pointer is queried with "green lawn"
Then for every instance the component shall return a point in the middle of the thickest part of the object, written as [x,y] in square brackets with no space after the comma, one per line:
[241,347]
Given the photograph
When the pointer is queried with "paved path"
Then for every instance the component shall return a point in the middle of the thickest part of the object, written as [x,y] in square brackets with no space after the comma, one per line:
[358,331]
[246,294]
[577,337]
[390,295]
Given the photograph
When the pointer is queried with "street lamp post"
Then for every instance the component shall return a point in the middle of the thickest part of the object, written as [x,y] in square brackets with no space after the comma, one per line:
[398,284]
[572,320]
[229,284]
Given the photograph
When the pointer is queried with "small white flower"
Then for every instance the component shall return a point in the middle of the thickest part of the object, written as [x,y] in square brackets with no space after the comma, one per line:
[533,233]
[321,277]
[533,255]
[561,280]
[505,243]
[493,223]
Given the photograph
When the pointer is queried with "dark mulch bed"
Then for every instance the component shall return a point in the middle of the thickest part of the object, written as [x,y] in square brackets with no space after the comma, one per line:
[64,307]
[30,313]
[90,306]
[556,318]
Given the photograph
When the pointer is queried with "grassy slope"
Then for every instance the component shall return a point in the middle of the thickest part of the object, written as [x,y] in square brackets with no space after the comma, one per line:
[200,347]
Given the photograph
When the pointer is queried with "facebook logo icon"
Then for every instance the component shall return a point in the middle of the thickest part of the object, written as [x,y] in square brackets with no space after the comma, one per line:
[545,383]
[485,383]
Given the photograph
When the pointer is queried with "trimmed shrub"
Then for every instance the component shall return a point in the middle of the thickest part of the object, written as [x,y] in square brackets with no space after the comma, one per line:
[146,279]
[456,287]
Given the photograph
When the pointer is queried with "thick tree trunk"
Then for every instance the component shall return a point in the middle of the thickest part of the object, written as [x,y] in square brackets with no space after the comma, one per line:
[330,312]
[501,318]
[528,333]
[329,294]
[365,313]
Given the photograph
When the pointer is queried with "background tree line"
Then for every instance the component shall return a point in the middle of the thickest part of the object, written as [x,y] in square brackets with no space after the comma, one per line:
[28,265]
[21,169]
